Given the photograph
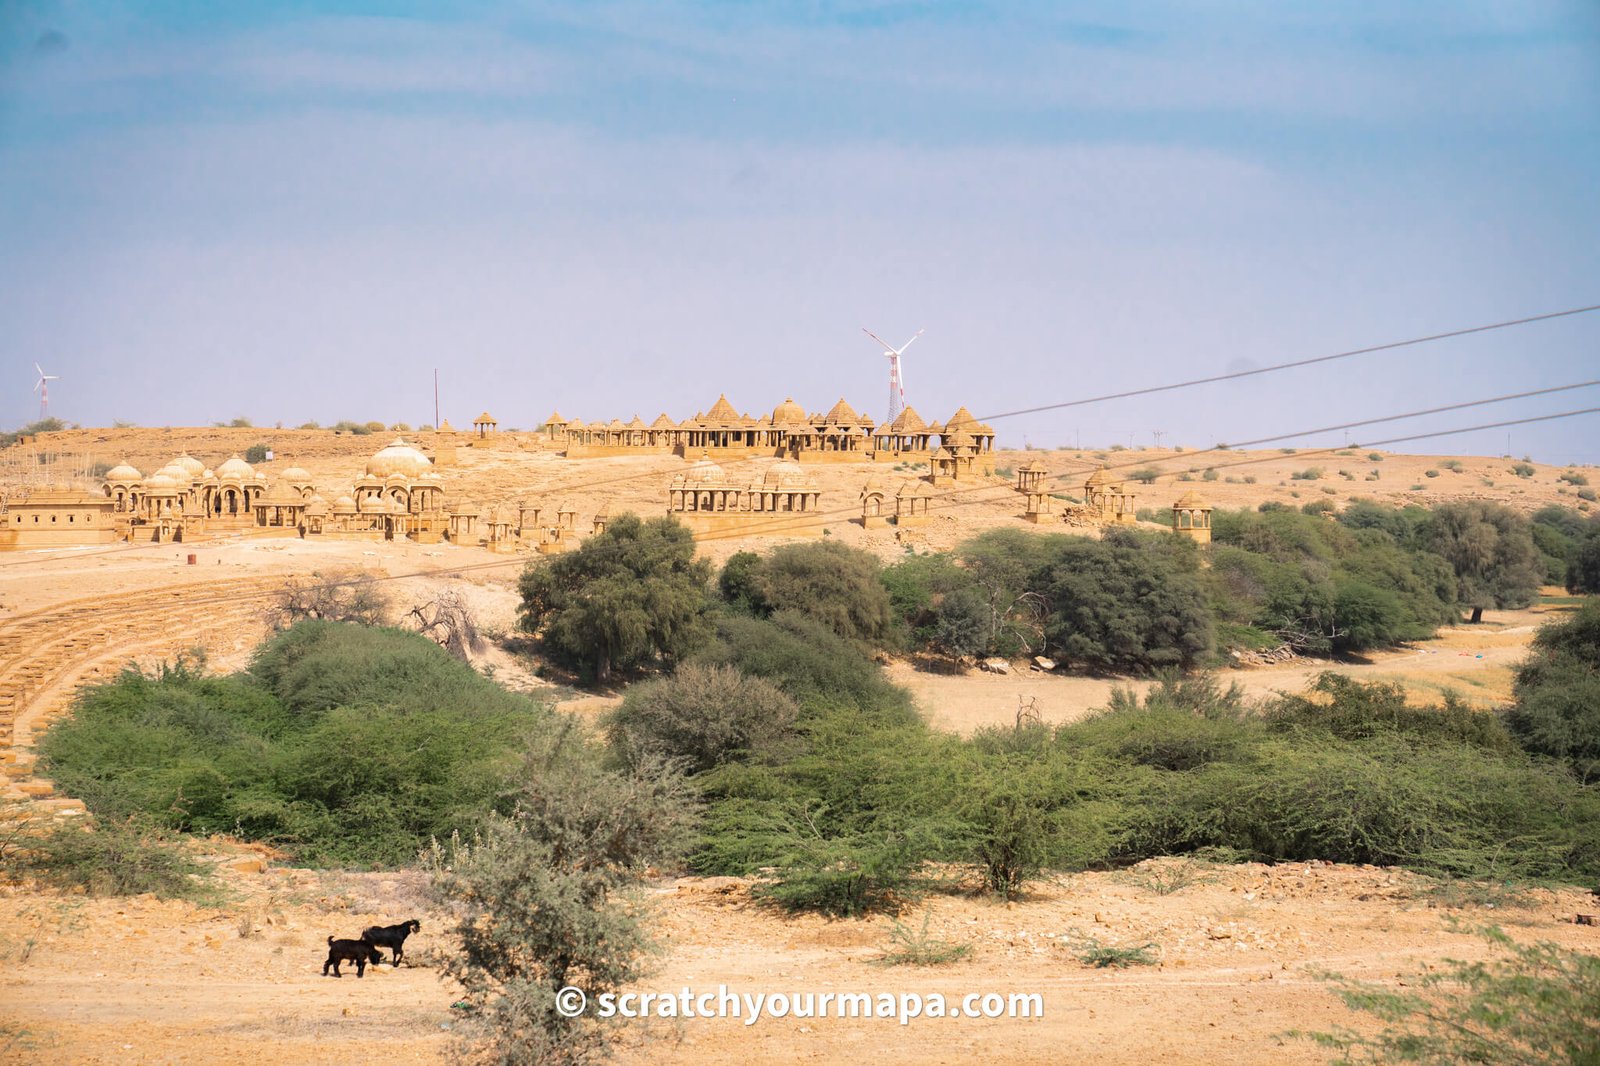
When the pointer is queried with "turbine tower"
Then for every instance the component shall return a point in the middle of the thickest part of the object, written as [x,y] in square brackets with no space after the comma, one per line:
[897,381]
[42,387]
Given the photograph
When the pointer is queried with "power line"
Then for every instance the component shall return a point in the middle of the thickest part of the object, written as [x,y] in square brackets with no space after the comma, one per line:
[1413,414]
[1390,346]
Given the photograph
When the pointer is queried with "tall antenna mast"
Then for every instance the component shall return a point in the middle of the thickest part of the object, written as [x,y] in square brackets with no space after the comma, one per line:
[42,387]
[436,398]
[897,384]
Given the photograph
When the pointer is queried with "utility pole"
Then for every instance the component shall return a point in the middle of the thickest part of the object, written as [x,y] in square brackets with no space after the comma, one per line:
[1158,434]
[436,400]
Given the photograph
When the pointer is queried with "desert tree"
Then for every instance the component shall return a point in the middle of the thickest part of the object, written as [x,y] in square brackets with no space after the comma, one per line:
[449,622]
[633,595]
[332,597]
[1491,549]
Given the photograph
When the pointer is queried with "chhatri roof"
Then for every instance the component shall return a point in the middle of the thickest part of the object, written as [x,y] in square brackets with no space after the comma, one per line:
[663,422]
[637,423]
[485,417]
[1100,477]
[908,421]
[722,411]
[123,472]
[235,469]
[1191,501]
[788,411]
[398,457]
[555,419]
[965,419]
[841,412]
[189,463]
[704,471]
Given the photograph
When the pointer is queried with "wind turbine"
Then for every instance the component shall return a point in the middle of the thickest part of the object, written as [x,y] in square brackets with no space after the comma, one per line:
[897,381]
[42,387]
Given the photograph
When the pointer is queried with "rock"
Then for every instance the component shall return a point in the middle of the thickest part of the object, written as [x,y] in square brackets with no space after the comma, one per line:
[995,666]
[1041,663]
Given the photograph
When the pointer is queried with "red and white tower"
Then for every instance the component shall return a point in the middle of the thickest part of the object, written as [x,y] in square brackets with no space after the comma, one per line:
[897,381]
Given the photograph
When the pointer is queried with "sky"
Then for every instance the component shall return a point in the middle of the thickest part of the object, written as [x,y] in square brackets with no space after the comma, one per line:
[299,211]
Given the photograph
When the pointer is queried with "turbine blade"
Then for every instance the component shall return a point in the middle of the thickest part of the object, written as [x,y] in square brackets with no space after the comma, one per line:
[39,368]
[887,348]
[907,344]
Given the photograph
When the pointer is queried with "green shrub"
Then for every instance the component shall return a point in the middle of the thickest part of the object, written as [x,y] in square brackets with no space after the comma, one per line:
[845,876]
[837,585]
[1523,470]
[815,666]
[1451,464]
[116,858]
[1091,951]
[703,716]
[1145,475]
[256,453]
[1310,473]
[1374,457]
[344,744]
[1431,473]
[1534,1004]
[1557,708]
[919,947]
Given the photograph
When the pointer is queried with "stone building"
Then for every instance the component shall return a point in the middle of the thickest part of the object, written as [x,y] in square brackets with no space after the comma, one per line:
[1191,517]
[783,502]
[722,433]
[1107,499]
[57,518]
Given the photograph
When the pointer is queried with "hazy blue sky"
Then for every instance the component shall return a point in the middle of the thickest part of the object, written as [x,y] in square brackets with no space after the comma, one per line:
[297,211]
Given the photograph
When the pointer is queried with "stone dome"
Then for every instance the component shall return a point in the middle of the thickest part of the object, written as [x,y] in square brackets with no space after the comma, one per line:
[123,472]
[705,471]
[345,504]
[235,469]
[785,474]
[158,481]
[1191,501]
[398,457]
[788,411]
[194,467]
[178,474]
[372,505]
[296,474]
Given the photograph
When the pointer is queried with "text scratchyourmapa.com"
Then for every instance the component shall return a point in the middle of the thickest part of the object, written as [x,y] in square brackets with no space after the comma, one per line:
[751,1007]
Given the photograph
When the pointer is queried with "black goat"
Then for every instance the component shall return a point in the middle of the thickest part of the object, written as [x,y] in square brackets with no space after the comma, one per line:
[359,952]
[392,937]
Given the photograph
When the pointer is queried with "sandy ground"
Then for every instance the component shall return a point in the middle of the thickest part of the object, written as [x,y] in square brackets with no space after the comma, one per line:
[135,981]
[140,981]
